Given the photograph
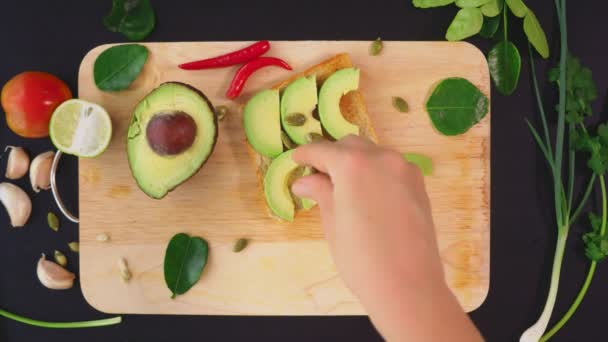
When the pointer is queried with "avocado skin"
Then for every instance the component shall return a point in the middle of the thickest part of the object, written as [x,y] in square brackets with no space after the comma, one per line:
[202,95]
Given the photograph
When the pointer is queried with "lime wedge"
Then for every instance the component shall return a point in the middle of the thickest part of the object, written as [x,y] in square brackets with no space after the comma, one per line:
[80,128]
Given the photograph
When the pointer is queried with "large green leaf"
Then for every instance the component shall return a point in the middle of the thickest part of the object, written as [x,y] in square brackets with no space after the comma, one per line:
[505,64]
[492,8]
[490,26]
[535,34]
[518,7]
[133,18]
[431,3]
[470,3]
[117,67]
[466,23]
[185,259]
[456,105]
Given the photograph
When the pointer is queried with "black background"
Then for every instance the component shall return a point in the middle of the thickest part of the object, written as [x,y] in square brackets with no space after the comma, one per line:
[54,36]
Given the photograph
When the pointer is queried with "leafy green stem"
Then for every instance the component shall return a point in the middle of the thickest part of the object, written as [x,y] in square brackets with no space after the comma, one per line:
[541,107]
[504,21]
[61,325]
[571,162]
[590,273]
[584,199]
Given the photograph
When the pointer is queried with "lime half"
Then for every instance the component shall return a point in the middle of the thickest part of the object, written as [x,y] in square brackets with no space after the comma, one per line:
[80,128]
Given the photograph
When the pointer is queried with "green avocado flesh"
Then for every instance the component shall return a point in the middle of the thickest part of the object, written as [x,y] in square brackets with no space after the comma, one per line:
[300,97]
[261,120]
[277,182]
[172,133]
[337,85]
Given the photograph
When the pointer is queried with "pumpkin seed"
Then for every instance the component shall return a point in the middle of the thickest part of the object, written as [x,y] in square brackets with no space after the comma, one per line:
[125,273]
[103,237]
[287,142]
[53,221]
[239,245]
[60,258]
[400,104]
[314,137]
[376,47]
[295,119]
[74,246]
[221,112]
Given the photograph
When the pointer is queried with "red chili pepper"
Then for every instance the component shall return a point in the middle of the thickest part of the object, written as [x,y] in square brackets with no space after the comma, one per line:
[241,76]
[237,57]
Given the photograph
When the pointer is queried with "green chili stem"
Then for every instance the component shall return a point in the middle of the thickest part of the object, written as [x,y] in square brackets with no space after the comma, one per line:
[61,325]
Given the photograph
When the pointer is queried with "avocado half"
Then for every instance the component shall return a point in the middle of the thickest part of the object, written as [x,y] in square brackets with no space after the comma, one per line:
[172,133]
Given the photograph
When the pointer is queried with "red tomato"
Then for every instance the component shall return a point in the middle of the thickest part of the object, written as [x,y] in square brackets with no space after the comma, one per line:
[29,100]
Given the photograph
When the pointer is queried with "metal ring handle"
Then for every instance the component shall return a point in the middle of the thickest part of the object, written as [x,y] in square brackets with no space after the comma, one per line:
[58,200]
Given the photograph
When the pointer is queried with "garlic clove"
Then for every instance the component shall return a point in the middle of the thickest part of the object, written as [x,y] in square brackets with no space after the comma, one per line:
[54,276]
[40,171]
[18,162]
[17,204]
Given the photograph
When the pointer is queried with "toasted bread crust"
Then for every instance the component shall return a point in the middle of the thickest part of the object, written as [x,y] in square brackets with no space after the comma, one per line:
[352,106]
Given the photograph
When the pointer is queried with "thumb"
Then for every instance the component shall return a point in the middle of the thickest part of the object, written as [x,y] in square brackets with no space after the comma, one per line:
[317,187]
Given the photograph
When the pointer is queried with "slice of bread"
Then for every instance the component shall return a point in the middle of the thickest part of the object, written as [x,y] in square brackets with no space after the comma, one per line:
[352,106]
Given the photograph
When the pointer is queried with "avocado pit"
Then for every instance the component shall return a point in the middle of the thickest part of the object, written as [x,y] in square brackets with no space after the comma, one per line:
[171,133]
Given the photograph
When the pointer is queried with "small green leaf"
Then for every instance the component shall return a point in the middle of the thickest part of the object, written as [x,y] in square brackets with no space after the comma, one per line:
[456,105]
[376,47]
[490,26]
[400,104]
[596,221]
[518,7]
[185,259]
[431,3]
[53,221]
[535,34]
[492,8]
[133,18]
[466,23]
[424,163]
[505,65]
[117,67]
[471,3]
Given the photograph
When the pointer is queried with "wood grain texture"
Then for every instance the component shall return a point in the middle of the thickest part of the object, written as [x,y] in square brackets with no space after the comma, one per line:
[286,269]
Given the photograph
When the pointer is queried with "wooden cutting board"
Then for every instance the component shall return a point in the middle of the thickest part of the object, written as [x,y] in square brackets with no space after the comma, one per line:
[287,269]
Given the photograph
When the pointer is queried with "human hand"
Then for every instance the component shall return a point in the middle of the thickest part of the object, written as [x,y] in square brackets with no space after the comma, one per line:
[377,219]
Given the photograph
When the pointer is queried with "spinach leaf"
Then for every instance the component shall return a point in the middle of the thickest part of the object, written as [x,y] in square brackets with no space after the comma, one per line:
[470,3]
[117,67]
[424,163]
[133,18]
[466,23]
[535,34]
[492,8]
[518,7]
[185,259]
[431,3]
[456,105]
[490,26]
[505,64]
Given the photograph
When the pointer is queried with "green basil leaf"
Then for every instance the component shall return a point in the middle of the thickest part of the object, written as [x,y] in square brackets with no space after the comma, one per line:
[456,105]
[518,7]
[424,163]
[466,23]
[133,18]
[431,3]
[470,3]
[490,26]
[185,259]
[535,34]
[505,64]
[492,8]
[117,67]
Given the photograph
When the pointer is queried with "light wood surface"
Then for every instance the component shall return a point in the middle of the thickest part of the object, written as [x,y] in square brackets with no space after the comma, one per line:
[286,269]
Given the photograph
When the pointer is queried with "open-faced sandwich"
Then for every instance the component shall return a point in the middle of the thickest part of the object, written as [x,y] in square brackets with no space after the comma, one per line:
[322,102]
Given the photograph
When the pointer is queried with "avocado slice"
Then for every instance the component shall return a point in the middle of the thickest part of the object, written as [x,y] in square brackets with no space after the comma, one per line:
[262,123]
[300,97]
[277,187]
[337,85]
[172,133]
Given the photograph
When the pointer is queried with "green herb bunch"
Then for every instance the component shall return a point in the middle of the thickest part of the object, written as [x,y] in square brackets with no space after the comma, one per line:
[483,17]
